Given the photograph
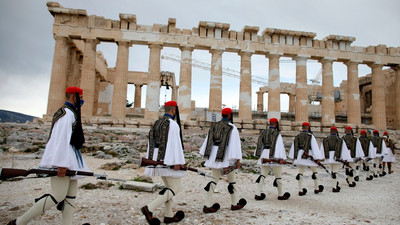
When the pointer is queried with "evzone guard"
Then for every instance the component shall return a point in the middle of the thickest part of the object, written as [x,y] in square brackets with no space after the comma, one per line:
[306,153]
[389,156]
[377,161]
[222,151]
[165,144]
[270,148]
[62,152]
[356,153]
[369,152]
[334,151]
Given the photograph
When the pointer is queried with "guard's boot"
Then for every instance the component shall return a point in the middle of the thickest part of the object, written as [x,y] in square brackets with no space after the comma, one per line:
[370,177]
[214,208]
[352,184]
[356,178]
[176,218]
[242,202]
[337,189]
[285,196]
[320,189]
[260,197]
[304,192]
[149,216]
[13,222]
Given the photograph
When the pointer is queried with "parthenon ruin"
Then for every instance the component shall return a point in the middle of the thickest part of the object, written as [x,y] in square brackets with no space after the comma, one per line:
[77,62]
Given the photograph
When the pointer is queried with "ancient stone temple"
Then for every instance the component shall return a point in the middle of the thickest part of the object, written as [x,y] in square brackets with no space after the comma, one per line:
[76,62]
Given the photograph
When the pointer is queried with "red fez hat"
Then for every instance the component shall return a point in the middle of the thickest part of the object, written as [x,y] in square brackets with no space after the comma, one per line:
[305,124]
[171,103]
[385,133]
[363,132]
[74,90]
[375,132]
[273,120]
[226,111]
[333,128]
[349,128]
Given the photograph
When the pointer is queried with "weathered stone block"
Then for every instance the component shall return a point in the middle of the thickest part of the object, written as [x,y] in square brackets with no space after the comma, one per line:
[139,186]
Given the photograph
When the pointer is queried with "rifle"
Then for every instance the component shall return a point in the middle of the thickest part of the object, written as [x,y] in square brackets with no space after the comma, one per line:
[149,162]
[265,160]
[345,163]
[316,161]
[7,173]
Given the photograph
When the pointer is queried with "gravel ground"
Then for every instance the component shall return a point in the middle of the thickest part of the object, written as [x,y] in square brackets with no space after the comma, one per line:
[370,202]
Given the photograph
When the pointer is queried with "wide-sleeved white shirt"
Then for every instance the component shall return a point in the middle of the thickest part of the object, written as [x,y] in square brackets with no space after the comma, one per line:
[173,155]
[59,152]
[233,151]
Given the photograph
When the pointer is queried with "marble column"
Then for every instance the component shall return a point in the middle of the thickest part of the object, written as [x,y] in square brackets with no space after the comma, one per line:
[397,85]
[260,101]
[274,88]
[59,74]
[138,96]
[173,94]
[292,102]
[301,106]
[88,77]
[153,84]
[121,81]
[245,86]
[215,97]
[353,94]
[378,97]
[185,83]
[328,100]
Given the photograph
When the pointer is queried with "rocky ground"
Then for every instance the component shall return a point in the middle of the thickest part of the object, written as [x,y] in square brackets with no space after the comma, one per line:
[114,151]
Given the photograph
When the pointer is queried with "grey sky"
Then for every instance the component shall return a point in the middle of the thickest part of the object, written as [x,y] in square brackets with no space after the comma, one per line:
[27,45]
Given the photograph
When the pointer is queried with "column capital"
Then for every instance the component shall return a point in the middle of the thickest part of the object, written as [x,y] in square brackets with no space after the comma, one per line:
[155,45]
[274,55]
[301,57]
[217,50]
[124,42]
[58,37]
[327,60]
[395,67]
[375,65]
[352,62]
[93,40]
[189,48]
[246,53]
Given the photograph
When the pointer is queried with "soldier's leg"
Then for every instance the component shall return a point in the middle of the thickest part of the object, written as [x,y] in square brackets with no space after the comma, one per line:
[278,183]
[335,169]
[68,205]
[235,205]
[164,196]
[317,188]
[299,178]
[59,186]
[375,167]
[390,167]
[368,169]
[174,183]
[260,183]
[350,172]
[381,167]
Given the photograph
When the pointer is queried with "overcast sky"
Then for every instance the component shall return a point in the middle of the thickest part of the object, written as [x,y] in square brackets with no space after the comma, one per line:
[27,45]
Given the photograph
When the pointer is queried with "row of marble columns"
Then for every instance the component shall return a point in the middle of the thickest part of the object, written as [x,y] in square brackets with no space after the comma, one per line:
[299,102]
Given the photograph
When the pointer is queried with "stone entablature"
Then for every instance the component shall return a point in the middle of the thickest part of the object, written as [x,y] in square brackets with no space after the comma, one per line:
[213,35]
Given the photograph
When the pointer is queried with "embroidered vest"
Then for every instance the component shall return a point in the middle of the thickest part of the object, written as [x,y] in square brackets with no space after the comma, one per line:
[365,145]
[158,137]
[332,143]
[377,142]
[302,141]
[267,138]
[351,143]
[218,135]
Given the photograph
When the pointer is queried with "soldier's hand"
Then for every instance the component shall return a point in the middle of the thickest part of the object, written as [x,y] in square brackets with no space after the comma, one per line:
[281,161]
[177,167]
[61,171]
[318,162]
